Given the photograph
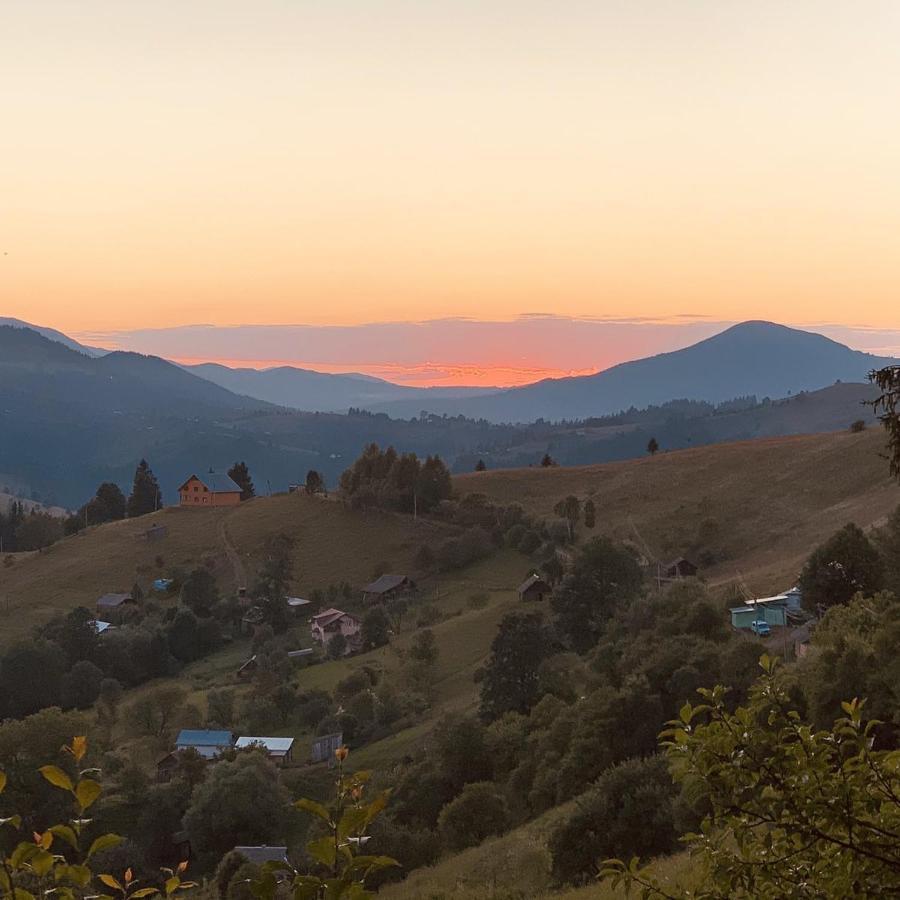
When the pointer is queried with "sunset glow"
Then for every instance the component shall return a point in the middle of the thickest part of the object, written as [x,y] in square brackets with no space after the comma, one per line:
[343,164]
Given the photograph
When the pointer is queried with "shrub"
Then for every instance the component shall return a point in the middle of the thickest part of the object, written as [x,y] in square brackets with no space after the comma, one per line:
[630,811]
[477,813]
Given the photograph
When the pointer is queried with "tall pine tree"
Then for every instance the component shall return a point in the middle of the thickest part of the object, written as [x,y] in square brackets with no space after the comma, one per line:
[240,475]
[146,496]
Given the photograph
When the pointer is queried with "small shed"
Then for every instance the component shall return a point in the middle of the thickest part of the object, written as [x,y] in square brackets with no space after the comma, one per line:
[208,744]
[101,627]
[679,568]
[534,588]
[278,749]
[299,654]
[323,748]
[165,768]
[155,533]
[114,601]
[387,587]
[162,584]
[295,604]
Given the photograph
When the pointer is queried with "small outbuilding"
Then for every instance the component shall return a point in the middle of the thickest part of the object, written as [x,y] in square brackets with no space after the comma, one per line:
[115,601]
[388,587]
[534,588]
[278,749]
[209,744]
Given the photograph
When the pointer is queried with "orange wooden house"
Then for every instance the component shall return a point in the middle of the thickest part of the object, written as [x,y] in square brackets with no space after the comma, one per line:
[211,489]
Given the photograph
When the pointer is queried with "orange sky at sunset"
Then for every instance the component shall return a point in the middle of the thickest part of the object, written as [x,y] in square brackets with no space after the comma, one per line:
[350,163]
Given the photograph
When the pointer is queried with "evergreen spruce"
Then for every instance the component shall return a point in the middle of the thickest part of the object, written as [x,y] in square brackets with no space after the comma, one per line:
[146,496]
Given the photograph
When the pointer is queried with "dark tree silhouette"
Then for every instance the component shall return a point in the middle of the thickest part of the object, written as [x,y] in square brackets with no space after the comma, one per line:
[146,496]
[240,475]
[887,405]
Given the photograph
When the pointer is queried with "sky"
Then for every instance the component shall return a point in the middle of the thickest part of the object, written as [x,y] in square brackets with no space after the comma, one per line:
[322,183]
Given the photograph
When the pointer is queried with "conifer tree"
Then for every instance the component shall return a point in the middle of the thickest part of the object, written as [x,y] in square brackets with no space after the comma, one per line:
[146,496]
[239,473]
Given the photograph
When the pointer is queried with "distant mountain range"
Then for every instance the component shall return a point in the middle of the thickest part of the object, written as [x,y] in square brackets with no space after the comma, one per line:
[752,358]
[69,420]
[323,392]
[758,358]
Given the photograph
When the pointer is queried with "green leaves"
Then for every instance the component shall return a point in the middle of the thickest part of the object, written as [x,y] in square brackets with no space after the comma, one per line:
[104,842]
[86,792]
[323,850]
[57,777]
[316,809]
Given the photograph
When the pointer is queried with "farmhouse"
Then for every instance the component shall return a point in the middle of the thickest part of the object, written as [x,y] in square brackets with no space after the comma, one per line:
[534,588]
[208,744]
[388,587]
[278,749]
[211,489]
[331,622]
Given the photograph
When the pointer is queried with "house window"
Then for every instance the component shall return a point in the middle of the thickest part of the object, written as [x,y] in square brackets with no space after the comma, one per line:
[196,499]
[196,489]
[206,499]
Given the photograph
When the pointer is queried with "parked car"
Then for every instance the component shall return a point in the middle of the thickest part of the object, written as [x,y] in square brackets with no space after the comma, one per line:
[760,627]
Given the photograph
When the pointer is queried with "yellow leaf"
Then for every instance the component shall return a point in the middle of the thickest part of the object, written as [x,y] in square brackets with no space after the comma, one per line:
[2,780]
[172,884]
[111,882]
[129,876]
[45,840]
[143,892]
[56,777]
[79,747]
[87,792]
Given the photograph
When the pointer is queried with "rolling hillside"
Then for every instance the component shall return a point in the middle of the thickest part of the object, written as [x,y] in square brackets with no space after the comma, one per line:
[770,501]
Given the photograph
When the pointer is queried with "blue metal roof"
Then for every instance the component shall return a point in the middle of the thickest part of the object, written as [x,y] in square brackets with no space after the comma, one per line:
[201,738]
[217,482]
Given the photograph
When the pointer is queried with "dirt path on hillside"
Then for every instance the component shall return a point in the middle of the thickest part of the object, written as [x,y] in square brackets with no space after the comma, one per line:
[237,565]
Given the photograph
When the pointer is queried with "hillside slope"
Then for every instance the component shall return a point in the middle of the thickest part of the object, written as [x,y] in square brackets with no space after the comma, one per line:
[765,504]
[333,544]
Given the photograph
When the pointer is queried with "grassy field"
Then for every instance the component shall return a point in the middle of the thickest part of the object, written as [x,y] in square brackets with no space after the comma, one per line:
[517,864]
[771,500]
[333,544]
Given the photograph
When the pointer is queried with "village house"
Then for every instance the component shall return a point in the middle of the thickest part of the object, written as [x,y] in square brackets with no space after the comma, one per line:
[331,622]
[278,749]
[534,588]
[779,610]
[209,744]
[211,489]
[388,587]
